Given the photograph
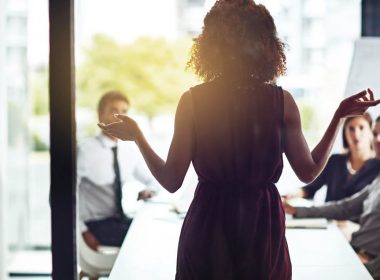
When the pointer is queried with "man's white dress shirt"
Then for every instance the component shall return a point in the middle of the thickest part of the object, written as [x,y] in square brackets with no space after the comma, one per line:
[96,176]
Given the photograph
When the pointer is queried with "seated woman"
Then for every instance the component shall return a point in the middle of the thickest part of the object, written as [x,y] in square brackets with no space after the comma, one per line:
[348,173]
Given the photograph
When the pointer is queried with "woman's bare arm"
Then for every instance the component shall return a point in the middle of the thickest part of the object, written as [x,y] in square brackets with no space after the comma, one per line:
[307,165]
[169,174]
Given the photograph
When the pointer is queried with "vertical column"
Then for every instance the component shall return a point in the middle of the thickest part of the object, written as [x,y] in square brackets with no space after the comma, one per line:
[62,139]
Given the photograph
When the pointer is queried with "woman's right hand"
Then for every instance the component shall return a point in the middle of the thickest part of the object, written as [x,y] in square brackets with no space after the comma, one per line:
[125,129]
[356,104]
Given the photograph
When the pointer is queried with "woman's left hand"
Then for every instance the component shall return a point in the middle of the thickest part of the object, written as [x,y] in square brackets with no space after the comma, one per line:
[125,129]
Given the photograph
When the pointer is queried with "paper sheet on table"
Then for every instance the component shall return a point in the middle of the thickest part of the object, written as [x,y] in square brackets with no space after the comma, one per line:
[308,223]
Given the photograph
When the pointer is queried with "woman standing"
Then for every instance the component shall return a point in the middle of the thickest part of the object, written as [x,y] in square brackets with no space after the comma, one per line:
[234,128]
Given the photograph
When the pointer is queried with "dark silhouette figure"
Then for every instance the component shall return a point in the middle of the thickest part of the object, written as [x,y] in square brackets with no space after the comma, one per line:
[234,228]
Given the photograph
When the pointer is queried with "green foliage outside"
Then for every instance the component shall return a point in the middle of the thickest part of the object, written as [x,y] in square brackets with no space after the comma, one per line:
[309,121]
[40,91]
[150,71]
[38,144]
[307,113]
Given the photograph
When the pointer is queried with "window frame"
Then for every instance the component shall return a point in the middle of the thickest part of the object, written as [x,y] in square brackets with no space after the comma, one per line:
[62,140]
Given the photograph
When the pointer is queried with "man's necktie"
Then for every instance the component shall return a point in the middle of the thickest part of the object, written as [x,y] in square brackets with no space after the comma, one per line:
[117,184]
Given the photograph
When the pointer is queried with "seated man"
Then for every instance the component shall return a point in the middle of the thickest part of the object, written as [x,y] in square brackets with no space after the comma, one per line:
[103,166]
[365,205]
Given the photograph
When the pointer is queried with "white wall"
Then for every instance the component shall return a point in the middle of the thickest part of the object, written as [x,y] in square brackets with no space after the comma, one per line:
[3,145]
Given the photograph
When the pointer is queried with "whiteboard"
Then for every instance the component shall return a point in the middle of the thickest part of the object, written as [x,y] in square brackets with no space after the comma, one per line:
[365,69]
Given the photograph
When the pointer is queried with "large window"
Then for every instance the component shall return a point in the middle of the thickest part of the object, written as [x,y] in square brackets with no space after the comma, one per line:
[142,52]
[24,138]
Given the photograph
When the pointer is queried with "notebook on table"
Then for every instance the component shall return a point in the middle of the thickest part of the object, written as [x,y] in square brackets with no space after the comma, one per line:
[308,223]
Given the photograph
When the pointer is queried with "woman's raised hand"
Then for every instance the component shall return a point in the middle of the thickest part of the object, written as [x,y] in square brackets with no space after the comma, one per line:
[357,104]
[125,129]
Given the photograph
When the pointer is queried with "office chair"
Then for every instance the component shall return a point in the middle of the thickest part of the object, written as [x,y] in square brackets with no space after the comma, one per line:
[95,264]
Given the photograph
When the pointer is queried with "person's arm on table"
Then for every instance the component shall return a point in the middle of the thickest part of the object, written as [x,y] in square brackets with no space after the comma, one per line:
[337,210]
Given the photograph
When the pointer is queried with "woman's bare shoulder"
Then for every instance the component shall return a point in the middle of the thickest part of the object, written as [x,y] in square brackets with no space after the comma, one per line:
[287,96]
[290,107]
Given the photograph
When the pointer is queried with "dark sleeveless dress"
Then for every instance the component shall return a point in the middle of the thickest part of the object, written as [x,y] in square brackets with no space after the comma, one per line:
[235,226]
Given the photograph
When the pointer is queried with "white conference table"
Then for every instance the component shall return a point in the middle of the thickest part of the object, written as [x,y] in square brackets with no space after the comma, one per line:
[150,248]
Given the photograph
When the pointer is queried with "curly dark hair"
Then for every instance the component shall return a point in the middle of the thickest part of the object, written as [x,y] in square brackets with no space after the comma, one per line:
[238,40]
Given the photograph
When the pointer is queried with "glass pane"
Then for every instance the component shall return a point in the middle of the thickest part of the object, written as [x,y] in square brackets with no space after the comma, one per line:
[144,57]
[24,140]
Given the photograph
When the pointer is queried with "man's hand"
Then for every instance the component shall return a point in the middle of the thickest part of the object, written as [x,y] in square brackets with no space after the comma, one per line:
[288,208]
[364,258]
[145,194]
[295,194]
[90,240]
